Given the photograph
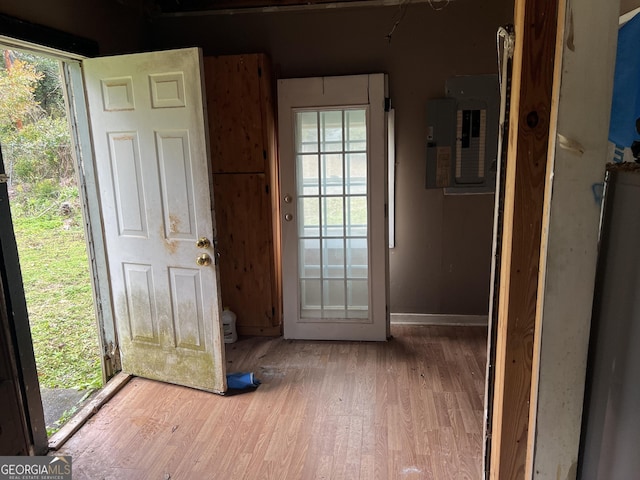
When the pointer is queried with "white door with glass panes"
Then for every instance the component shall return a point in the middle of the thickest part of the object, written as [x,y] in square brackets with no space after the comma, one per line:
[152,163]
[333,144]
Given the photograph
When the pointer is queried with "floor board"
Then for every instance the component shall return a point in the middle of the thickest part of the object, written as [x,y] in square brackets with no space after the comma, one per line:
[410,408]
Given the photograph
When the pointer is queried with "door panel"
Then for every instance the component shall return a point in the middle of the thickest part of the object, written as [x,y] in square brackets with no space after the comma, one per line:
[237,132]
[333,172]
[245,244]
[151,158]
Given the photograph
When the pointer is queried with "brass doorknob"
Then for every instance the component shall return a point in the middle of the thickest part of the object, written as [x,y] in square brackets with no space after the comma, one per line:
[203,242]
[203,260]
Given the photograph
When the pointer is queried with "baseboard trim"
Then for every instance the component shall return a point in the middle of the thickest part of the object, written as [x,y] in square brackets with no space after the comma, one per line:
[436,319]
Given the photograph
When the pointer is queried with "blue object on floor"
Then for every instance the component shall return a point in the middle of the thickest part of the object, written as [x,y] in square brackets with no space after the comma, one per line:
[241,383]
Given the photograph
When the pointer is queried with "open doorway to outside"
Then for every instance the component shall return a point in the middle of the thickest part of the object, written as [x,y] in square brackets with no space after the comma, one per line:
[49,231]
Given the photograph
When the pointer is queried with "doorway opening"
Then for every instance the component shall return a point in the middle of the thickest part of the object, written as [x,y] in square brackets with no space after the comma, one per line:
[49,230]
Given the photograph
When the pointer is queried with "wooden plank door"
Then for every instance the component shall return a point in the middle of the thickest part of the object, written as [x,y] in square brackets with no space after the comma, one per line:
[151,155]
[236,100]
[245,243]
[243,158]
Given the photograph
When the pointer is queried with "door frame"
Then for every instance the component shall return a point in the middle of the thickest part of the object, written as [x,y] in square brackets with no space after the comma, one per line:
[18,332]
[64,47]
[88,190]
[77,116]
[73,93]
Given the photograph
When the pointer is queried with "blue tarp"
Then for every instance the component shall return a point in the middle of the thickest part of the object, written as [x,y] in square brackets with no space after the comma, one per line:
[625,106]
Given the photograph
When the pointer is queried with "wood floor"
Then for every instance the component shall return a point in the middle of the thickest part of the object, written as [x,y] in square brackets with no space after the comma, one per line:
[410,408]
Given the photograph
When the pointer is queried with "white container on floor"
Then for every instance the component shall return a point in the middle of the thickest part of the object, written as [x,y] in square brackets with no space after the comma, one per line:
[229,326]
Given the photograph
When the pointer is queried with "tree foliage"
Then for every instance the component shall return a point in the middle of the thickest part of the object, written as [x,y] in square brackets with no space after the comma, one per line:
[34,134]
[17,86]
[48,89]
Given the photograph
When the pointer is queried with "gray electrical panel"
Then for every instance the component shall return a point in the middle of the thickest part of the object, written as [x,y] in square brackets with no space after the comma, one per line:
[462,135]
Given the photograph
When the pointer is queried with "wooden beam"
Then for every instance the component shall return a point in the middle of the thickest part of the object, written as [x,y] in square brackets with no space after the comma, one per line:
[89,410]
[15,28]
[532,111]
[200,7]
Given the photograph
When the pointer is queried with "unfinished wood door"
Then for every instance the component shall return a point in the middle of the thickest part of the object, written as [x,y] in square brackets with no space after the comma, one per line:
[151,157]
[333,166]
[245,244]
[235,95]
[244,161]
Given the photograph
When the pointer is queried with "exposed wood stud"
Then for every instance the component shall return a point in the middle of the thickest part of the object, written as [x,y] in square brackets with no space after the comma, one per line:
[536,29]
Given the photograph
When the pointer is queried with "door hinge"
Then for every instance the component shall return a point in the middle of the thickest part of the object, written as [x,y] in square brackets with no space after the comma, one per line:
[4,178]
[264,154]
[266,188]
[259,71]
[387,104]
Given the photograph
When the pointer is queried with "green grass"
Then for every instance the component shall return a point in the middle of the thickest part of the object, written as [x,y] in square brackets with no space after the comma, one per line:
[57,284]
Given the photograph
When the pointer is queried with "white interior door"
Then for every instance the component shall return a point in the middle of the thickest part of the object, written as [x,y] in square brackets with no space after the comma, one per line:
[152,163]
[332,140]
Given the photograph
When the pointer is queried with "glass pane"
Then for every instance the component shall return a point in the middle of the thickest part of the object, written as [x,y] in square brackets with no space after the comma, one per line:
[310,258]
[358,294]
[356,130]
[357,216]
[331,166]
[332,176]
[307,173]
[333,257]
[310,294]
[331,131]
[357,258]
[309,216]
[306,132]
[334,295]
[333,216]
[356,173]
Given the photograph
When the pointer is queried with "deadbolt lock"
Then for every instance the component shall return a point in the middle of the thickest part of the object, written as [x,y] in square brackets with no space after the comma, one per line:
[203,242]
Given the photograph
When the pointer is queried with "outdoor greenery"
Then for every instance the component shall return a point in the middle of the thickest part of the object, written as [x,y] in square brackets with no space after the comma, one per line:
[45,209]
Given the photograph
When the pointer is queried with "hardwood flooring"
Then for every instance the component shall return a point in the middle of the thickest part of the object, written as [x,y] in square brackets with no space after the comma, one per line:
[410,408]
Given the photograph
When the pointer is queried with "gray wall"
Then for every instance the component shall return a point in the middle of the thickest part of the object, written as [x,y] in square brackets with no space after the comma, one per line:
[441,263]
